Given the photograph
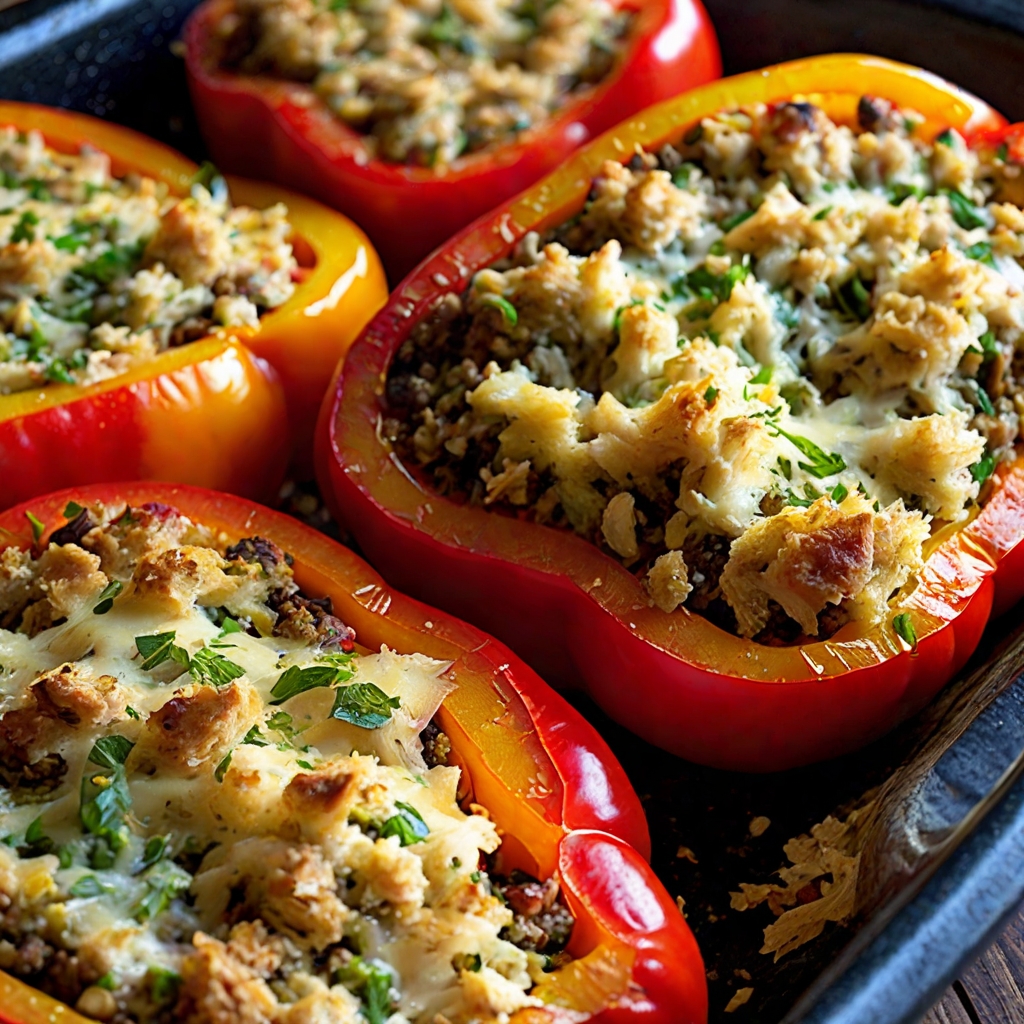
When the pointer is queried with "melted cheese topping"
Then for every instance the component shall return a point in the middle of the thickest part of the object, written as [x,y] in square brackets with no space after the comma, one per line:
[98,273]
[197,830]
[778,328]
[428,81]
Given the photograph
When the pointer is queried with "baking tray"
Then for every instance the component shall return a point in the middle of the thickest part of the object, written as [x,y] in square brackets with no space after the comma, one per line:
[943,864]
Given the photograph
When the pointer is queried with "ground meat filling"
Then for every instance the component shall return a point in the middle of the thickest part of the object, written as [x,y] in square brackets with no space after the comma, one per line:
[192,831]
[430,80]
[758,368]
[98,273]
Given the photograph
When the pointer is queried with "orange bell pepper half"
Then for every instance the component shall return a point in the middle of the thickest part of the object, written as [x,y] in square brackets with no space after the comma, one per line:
[551,784]
[579,616]
[286,133]
[224,411]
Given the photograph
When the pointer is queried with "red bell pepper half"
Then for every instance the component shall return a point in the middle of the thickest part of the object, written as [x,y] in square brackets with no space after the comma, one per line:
[551,784]
[579,616]
[281,131]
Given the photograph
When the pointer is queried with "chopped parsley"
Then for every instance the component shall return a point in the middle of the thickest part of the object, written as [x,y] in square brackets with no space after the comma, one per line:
[24,230]
[295,680]
[965,213]
[500,303]
[105,798]
[371,982]
[117,261]
[982,252]
[407,824]
[163,984]
[164,881]
[716,287]
[209,667]
[901,191]
[38,527]
[904,627]
[711,394]
[822,463]
[984,468]
[363,704]
[88,886]
[158,648]
[736,219]
[106,599]
[222,769]
[854,299]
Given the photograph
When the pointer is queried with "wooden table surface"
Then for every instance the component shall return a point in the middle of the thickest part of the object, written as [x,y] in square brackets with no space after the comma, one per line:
[991,990]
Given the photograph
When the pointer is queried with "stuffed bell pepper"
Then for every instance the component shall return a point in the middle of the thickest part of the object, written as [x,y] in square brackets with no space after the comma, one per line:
[721,420]
[416,118]
[148,317]
[244,780]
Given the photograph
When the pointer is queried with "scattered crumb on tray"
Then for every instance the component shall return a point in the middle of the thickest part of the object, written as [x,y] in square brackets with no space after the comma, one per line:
[759,825]
[819,886]
[739,997]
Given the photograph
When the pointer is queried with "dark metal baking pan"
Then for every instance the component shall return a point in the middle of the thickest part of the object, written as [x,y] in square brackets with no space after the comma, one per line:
[943,864]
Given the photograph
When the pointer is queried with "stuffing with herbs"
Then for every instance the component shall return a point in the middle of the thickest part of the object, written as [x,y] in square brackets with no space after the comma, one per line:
[216,808]
[426,81]
[759,368]
[99,273]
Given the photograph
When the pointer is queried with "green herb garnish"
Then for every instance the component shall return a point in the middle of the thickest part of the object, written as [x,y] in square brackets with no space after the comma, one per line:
[902,191]
[221,770]
[88,886]
[735,220]
[106,599]
[822,463]
[38,528]
[854,299]
[105,799]
[372,984]
[500,303]
[965,213]
[158,648]
[164,880]
[904,627]
[295,680]
[163,984]
[406,824]
[982,252]
[983,468]
[363,704]
[210,668]
[24,230]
